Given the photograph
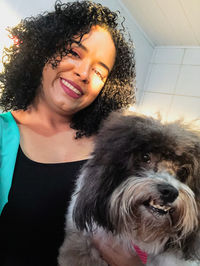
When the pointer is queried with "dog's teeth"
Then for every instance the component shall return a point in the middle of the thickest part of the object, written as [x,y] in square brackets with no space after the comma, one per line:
[159,207]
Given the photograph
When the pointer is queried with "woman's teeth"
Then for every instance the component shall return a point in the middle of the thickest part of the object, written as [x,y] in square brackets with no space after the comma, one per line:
[71,87]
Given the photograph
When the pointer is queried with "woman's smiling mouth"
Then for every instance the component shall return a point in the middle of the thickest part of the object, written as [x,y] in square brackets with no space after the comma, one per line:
[71,88]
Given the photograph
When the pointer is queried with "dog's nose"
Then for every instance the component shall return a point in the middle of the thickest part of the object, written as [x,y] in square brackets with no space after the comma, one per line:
[168,193]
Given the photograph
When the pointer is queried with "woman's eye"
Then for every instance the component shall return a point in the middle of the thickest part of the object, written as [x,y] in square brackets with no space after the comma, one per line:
[146,158]
[98,74]
[73,53]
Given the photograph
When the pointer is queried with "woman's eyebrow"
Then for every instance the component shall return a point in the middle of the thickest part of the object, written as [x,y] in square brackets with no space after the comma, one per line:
[100,63]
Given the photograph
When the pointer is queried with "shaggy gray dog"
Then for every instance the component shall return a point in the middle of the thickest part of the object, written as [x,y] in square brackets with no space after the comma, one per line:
[141,187]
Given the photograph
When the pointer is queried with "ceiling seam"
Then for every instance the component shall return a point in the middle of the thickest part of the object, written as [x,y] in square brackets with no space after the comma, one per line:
[166,17]
[190,24]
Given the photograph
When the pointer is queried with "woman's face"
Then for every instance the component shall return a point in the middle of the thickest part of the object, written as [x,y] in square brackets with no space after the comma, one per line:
[77,80]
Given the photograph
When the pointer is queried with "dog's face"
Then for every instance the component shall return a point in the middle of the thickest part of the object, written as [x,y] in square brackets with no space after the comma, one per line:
[143,182]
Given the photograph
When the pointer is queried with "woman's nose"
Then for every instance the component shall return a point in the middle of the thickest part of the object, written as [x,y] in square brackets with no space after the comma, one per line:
[83,70]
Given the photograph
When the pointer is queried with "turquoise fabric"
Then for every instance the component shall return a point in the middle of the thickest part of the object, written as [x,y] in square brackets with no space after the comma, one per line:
[9,143]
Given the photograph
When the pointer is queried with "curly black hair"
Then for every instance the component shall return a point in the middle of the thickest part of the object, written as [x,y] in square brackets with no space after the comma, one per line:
[43,39]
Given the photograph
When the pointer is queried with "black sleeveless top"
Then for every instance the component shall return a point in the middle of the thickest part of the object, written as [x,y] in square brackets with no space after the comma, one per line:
[32,222]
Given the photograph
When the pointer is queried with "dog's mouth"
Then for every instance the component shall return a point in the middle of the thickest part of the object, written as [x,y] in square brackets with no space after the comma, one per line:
[158,208]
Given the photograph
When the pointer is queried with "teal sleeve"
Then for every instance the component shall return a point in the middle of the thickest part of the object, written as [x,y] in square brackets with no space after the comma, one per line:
[9,143]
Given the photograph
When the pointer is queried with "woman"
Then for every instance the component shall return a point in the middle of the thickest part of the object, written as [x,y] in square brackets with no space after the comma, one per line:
[66,71]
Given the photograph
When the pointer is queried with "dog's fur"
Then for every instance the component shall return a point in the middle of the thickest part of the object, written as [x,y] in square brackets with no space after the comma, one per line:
[142,186]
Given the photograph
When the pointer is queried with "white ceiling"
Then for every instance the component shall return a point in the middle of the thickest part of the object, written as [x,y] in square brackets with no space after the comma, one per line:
[167,22]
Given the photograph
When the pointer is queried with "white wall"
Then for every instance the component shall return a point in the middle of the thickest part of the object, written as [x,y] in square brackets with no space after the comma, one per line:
[144,49]
[173,83]
[11,11]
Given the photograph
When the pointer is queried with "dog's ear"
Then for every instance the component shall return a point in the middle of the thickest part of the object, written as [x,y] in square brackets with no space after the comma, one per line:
[191,247]
[92,201]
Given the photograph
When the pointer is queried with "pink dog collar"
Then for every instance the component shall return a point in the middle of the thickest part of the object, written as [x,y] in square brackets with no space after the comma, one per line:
[142,255]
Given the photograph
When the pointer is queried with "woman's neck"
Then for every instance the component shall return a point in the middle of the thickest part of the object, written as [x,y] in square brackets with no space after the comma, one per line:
[41,120]
[49,139]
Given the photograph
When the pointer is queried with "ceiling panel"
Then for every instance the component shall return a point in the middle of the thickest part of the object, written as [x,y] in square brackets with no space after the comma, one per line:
[170,22]
[181,31]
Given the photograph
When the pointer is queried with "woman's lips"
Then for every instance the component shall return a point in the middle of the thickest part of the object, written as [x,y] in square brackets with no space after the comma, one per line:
[71,88]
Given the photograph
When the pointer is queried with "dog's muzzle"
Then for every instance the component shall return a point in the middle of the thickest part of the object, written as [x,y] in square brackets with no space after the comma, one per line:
[168,194]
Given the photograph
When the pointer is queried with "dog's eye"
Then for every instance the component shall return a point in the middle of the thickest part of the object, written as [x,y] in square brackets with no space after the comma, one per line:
[146,158]
[183,173]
